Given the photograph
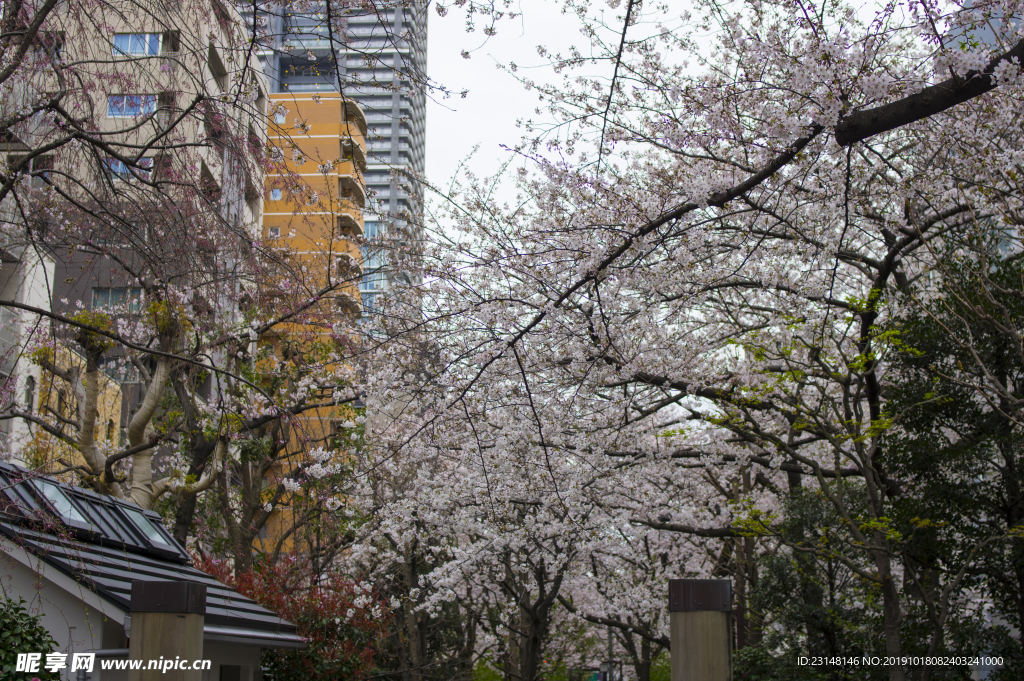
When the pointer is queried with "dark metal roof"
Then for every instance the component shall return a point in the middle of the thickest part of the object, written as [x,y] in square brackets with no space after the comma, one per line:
[104,543]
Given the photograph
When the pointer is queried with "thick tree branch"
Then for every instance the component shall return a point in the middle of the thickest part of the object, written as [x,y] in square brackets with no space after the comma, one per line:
[932,100]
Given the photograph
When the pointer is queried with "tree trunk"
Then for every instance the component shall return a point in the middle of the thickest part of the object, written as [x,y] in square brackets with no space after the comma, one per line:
[87,428]
[415,628]
[643,669]
[465,655]
[641,659]
[201,449]
[239,538]
[535,620]
[139,430]
[531,642]
[515,626]
[515,651]
[747,634]
[183,517]
[892,612]
[750,575]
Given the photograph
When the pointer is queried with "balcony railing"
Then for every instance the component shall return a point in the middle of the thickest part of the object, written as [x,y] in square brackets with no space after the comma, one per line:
[307,44]
[309,87]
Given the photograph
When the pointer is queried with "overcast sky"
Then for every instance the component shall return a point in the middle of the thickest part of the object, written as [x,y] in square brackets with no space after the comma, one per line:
[487,116]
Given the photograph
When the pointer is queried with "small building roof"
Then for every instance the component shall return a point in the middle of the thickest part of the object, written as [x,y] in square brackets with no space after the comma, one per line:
[104,543]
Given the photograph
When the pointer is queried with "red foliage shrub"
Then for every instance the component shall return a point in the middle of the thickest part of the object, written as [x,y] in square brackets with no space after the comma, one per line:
[343,620]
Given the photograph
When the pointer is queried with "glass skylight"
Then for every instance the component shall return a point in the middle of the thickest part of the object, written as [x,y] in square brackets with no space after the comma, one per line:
[144,524]
[62,504]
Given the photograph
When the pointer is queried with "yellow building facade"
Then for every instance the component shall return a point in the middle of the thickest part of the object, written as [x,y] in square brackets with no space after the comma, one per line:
[313,217]
[315,207]
[57,398]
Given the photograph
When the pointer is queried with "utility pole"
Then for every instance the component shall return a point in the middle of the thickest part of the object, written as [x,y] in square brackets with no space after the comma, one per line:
[700,627]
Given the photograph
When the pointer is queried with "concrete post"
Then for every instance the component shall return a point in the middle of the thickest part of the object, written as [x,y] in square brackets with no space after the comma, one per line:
[700,628]
[167,622]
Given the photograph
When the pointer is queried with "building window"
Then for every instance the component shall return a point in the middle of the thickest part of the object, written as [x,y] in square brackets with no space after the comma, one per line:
[275,194]
[279,118]
[48,46]
[230,672]
[208,184]
[42,166]
[109,298]
[122,171]
[130,106]
[30,394]
[136,44]
[275,232]
[374,281]
[38,169]
[220,74]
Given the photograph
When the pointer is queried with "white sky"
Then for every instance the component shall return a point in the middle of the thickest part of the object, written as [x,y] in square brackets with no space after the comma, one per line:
[487,116]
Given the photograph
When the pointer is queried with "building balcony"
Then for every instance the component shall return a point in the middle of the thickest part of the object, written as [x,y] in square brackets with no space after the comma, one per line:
[354,114]
[308,87]
[348,225]
[351,190]
[353,149]
[310,43]
[349,168]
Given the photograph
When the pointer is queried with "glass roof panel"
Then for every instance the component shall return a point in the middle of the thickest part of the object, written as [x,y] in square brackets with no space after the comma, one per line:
[104,521]
[144,524]
[61,503]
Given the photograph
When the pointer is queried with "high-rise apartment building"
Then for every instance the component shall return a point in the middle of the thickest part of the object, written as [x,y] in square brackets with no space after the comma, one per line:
[379,60]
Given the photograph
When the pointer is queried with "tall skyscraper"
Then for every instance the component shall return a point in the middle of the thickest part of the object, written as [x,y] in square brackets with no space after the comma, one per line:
[377,59]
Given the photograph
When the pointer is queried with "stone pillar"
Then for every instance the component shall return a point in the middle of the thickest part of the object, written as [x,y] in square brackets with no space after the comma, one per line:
[167,622]
[700,627]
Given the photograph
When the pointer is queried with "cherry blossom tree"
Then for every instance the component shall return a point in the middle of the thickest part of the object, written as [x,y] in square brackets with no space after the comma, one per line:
[682,320]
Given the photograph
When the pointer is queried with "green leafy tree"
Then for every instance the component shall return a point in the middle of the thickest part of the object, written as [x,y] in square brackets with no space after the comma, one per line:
[813,602]
[954,397]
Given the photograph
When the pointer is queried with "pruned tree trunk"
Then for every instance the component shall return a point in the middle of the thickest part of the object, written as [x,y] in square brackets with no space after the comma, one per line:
[140,430]
[88,415]
[239,536]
